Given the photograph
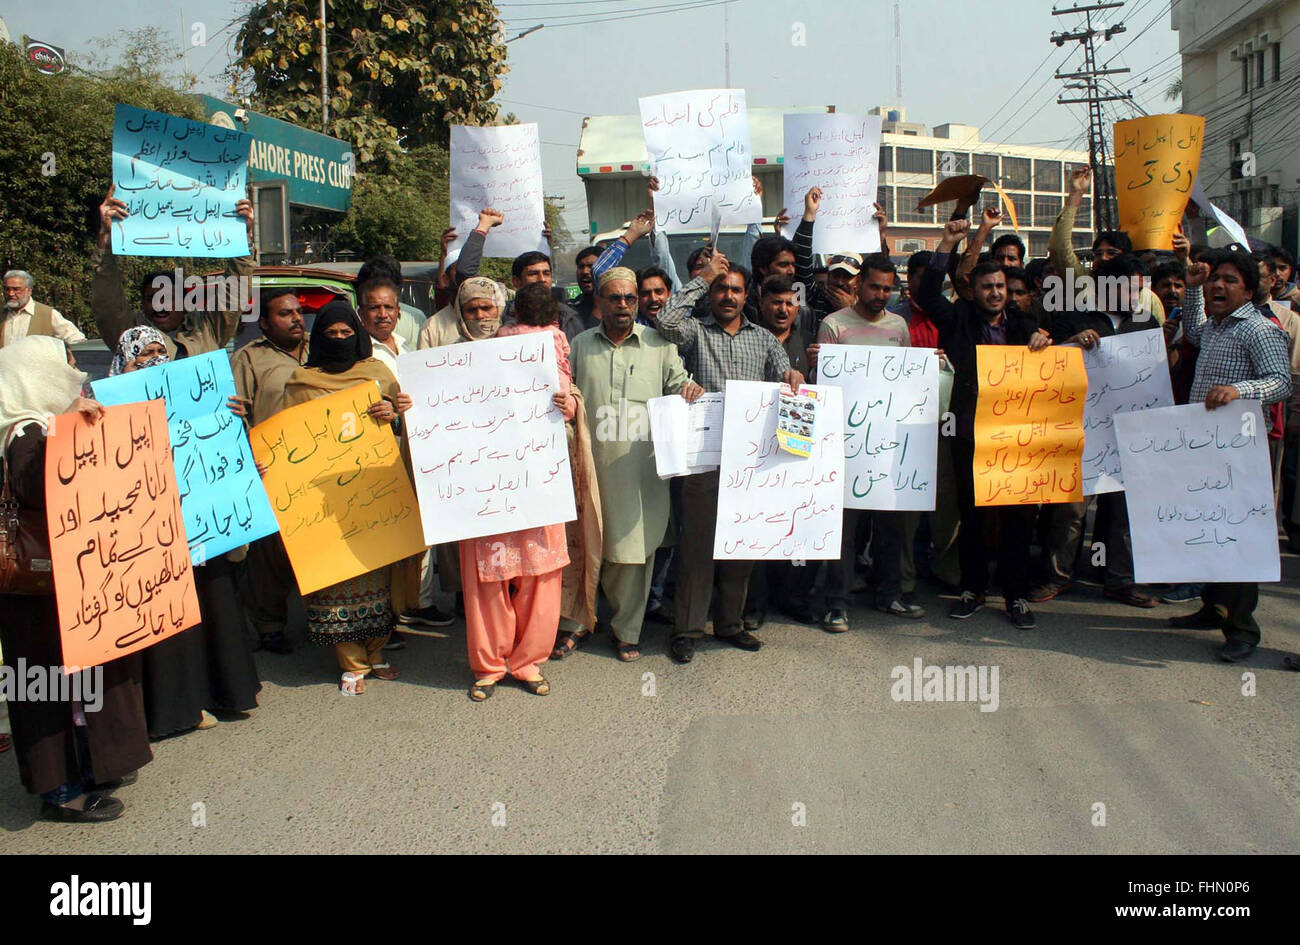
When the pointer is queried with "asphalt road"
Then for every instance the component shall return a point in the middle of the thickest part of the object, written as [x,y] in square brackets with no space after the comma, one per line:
[798,748]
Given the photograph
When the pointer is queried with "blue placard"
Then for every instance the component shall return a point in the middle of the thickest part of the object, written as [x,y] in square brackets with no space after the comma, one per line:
[180,181]
[222,498]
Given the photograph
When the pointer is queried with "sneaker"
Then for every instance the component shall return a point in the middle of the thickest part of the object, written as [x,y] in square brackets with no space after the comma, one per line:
[395,642]
[968,606]
[900,609]
[1021,617]
[429,616]
[1048,591]
[1181,594]
[835,621]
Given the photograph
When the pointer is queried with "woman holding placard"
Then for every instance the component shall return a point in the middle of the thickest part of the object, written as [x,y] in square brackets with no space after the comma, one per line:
[354,616]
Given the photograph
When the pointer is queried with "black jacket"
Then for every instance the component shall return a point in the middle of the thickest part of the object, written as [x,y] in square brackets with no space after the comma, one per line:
[961,326]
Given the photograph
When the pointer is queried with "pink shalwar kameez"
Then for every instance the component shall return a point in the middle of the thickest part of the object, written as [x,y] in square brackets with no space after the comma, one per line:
[511,582]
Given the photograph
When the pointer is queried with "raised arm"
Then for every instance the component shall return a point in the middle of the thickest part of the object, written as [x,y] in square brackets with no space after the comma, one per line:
[1060,245]
[930,295]
[471,254]
[107,296]
[974,246]
[676,323]
[642,224]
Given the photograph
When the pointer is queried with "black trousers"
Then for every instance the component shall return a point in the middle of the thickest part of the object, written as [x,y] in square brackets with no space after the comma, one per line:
[695,579]
[1014,523]
[1235,604]
[886,557]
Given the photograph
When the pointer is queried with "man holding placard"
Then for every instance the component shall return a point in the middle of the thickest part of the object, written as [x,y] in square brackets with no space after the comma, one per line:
[867,322]
[619,367]
[724,346]
[1242,356]
[963,327]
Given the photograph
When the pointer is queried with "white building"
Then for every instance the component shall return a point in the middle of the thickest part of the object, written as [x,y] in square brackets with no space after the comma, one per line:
[1241,70]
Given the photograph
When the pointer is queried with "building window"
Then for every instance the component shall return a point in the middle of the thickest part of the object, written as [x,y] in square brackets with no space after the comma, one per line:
[1245,75]
[1277,61]
[960,163]
[1083,216]
[1037,244]
[908,198]
[887,158]
[1016,173]
[1046,210]
[1047,176]
[885,197]
[914,161]
[986,165]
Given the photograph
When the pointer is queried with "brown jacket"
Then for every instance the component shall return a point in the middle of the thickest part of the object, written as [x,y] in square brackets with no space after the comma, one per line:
[199,333]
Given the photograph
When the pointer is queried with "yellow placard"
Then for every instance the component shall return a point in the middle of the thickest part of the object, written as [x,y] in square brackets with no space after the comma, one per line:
[1156,159]
[1029,425]
[339,488]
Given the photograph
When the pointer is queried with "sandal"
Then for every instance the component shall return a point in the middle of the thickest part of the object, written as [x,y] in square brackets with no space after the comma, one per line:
[627,652]
[538,687]
[569,643]
[384,671]
[481,692]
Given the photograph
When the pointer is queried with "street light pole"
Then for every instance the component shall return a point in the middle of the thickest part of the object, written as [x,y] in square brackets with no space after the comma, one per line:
[531,29]
[324,74]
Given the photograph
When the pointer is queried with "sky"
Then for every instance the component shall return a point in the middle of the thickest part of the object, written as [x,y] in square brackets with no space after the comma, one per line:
[977,62]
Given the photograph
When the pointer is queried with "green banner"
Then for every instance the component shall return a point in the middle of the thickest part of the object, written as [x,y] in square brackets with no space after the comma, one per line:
[318,168]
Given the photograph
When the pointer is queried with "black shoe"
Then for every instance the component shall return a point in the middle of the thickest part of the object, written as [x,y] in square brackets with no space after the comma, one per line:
[968,606]
[1291,662]
[1204,619]
[1234,651]
[275,642]
[682,649]
[744,640]
[429,616]
[753,621]
[123,781]
[99,808]
[1021,617]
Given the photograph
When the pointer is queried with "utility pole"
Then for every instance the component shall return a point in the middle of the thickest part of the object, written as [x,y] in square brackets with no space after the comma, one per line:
[726,45]
[898,56]
[1103,196]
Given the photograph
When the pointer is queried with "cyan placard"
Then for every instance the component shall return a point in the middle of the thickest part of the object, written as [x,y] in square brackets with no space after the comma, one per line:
[180,180]
[222,497]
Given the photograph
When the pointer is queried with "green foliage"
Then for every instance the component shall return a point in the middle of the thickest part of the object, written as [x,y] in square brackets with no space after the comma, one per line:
[64,124]
[399,71]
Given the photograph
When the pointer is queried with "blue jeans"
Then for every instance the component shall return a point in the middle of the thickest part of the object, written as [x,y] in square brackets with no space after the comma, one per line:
[71,790]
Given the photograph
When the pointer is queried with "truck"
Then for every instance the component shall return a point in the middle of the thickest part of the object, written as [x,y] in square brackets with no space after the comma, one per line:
[615,169]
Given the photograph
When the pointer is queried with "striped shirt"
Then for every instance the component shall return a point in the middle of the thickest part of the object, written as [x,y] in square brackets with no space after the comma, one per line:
[712,355]
[1244,351]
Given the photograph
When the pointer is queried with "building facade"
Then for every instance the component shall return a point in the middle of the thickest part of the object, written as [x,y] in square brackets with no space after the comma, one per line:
[1241,70]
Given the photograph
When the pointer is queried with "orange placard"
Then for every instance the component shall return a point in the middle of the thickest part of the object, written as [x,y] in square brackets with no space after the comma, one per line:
[338,487]
[1156,158]
[1029,425]
[122,573]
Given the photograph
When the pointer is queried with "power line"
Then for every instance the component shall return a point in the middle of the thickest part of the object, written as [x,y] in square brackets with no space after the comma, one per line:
[582,19]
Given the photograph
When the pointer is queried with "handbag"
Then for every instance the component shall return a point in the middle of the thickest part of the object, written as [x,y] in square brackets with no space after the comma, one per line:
[25,566]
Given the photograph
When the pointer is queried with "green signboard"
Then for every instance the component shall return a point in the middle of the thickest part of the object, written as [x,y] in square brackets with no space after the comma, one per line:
[317,168]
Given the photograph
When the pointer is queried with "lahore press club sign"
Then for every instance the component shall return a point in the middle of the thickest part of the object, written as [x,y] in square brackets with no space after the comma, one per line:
[47,59]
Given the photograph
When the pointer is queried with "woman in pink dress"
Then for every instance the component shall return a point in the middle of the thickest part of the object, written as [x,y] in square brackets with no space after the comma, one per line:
[511,582]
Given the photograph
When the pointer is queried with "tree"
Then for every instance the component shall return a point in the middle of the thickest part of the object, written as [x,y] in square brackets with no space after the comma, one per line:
[57,156]
[1175,89]
[400,71]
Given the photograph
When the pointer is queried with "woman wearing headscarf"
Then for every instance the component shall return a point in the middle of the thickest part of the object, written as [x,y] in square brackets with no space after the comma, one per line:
[356,615]
[70,757]
[511,581]
[209,667]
